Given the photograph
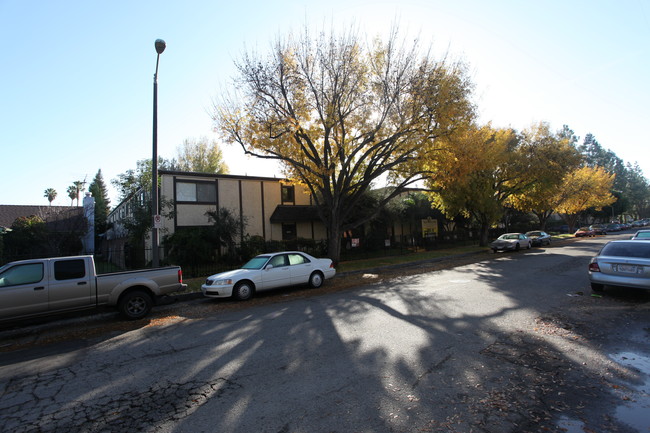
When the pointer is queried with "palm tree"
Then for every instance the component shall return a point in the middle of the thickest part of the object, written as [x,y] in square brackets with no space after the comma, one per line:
[73,193]
[80,186]
[50,193]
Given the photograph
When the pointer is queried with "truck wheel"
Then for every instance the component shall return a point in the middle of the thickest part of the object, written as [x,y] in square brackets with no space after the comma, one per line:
[135,305]
[316,280]
[243,291]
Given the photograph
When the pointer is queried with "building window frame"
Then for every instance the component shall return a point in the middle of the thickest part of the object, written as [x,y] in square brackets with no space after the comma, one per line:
[195,192]
[288,194]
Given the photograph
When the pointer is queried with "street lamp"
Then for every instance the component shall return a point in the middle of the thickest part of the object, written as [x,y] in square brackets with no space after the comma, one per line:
[155,254]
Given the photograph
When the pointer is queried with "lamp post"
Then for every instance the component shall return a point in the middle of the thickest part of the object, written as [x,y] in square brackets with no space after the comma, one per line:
[155,254]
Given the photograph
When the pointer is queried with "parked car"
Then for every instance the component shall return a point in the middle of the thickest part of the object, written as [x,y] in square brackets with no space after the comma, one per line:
[539,238]
[511,241]
[613,227]
[584,232]
[641,235]
[621,263]
[598,229]
[269,271]
[39,287]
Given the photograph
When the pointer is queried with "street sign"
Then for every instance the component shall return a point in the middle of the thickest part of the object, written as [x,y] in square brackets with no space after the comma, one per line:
[157,221]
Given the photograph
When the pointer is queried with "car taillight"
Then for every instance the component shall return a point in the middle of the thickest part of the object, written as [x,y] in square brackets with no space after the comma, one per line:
[180,276]
[593,267]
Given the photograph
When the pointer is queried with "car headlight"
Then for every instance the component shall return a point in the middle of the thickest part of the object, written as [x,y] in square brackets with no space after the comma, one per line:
[223,282]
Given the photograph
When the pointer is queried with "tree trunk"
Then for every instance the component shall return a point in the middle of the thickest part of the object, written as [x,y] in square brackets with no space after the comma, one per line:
[334,242]
[483,234]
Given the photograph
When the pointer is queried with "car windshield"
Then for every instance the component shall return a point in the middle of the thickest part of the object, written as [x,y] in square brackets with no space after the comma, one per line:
[509,236]
[642,235]
[256,262]
[639,250]
[529,234]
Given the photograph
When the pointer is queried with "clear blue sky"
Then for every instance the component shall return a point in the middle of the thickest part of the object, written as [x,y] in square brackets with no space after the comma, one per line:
[76,77]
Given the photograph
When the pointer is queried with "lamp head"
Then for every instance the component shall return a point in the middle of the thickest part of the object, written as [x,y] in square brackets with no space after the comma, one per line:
[160,46]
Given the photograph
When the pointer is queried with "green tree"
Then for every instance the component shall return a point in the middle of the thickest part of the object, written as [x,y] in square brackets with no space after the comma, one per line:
[339,115]
[201,156]
[73,193]
[80,186]
[51,194]
[139,179]
[102,203]
[227,229]
[134,185]
[637,190]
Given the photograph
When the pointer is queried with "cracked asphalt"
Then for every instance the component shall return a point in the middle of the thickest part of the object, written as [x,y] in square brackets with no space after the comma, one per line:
[477,344]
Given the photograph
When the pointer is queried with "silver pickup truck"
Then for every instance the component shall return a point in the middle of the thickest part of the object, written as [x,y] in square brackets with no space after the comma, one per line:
[39,287]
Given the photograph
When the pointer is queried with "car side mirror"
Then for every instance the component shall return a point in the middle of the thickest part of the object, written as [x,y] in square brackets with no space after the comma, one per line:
[268,267]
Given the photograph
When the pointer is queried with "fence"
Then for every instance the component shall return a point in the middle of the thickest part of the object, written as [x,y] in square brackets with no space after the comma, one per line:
[203,263]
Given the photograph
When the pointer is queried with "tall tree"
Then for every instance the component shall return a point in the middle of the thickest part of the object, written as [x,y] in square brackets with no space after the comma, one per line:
[554,155]
[102,203]
[484,168]
[51,194]
[73,193]
[78,186]
[339,115]
[201,156]
[134,180]
[135,185]
[637,189]
[582,189]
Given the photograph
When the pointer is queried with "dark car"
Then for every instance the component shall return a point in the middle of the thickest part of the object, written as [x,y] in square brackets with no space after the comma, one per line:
[613,227]
[598,229]
[584,232]
[539,238]
[621,263]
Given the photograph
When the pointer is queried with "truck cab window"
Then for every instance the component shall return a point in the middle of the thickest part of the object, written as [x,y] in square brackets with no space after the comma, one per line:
[30,273]
[69,269]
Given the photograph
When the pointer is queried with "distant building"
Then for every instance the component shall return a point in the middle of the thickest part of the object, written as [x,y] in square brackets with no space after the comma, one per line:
[269,208]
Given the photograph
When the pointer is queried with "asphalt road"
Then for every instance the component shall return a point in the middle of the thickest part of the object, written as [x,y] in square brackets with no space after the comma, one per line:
[512,343]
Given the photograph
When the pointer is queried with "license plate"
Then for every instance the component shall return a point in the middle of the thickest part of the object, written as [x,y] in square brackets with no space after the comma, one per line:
[628,269]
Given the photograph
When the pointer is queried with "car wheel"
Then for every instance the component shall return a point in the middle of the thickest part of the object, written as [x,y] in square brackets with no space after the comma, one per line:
[529,246]
[517,247]
[597,287]
[494,250]
[243,291]
[316,280]
[135,305]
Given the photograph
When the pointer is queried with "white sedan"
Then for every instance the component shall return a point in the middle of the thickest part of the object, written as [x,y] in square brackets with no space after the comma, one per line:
[511,241]
[269,271]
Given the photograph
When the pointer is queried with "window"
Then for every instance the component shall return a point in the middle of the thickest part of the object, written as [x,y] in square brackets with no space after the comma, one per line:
[200,192]
[30,273]
[279,261]
[288,194]
[288,232]
[297,259]
[69,269]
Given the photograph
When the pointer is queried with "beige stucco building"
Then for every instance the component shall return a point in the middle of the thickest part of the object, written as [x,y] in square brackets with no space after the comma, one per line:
[269,208]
